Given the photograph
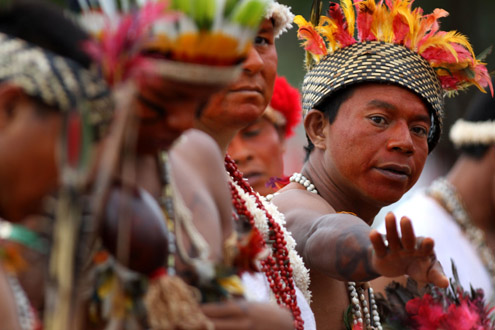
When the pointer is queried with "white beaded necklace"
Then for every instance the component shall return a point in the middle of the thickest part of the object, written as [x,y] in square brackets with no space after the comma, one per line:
[442,190]
[357,295]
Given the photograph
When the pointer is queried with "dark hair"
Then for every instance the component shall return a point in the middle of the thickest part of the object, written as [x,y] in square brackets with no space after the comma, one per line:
[330,106]
[481,109]
[45,25]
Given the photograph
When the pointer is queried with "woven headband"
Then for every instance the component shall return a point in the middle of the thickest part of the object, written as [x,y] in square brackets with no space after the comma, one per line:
[57,81]
[380,62]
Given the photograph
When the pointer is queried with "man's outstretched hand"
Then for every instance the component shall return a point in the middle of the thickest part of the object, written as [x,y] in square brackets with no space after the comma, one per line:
[409,255]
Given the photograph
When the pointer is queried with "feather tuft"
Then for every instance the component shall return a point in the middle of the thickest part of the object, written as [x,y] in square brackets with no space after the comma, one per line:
[394,21]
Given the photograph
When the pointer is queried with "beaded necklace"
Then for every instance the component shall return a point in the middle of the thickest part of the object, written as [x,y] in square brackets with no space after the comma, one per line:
[359,304]
[27,316]
[445,193]
[277,265]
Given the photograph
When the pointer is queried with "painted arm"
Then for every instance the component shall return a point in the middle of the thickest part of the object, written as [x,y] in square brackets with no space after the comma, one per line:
[344,247]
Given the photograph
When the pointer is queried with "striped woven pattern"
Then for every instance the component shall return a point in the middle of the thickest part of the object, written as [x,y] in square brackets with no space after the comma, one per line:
[57,81]
[376,61]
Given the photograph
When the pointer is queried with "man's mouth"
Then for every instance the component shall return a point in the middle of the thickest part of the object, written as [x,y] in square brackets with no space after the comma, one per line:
[253,177]
[246,88]
[395,171]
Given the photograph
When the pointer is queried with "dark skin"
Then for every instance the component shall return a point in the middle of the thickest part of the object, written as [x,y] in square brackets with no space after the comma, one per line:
[359,171]
[228,111]
[197,168]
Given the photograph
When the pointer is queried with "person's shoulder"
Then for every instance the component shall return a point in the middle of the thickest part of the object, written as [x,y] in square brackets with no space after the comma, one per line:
[195,145]
[294,201]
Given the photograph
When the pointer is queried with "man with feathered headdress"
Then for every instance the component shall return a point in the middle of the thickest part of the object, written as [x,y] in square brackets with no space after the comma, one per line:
[279,274]
[373,106]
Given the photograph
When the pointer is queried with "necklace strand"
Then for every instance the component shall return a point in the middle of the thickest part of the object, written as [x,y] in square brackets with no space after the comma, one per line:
[357,295]
[446,194]
[277,266]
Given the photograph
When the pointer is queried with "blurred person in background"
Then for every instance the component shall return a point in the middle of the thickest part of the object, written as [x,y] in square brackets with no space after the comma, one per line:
[258,149]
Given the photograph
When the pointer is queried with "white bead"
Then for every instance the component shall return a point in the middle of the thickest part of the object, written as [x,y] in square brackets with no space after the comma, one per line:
[376,319]
[355,301]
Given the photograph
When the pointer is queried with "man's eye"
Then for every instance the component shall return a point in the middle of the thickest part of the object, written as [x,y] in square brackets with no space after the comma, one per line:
[378,120]
[251,133]
[261,41]
[420,131]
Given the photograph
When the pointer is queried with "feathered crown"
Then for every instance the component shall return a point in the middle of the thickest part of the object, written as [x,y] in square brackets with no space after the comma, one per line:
[388,41]
[189,37]
[285,106]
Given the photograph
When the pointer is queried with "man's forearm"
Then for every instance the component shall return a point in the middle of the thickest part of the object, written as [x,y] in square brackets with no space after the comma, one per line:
[339,246]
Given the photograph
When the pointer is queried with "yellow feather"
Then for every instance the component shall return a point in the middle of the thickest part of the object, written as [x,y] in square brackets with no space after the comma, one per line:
[349,14]
[445,41]
[387,24]
[440,42]
[300,21]
[414,35]
[326,28]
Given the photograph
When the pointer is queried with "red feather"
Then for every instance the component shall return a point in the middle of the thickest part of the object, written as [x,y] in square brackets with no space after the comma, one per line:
[364,20]
[341,35]
[401,28]
[118,50]
[287,100]
[313,43]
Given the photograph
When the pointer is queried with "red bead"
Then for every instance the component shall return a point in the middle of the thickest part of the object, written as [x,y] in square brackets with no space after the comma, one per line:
[277,267]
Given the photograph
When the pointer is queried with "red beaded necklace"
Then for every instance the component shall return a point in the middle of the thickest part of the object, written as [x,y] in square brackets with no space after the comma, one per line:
[276,266]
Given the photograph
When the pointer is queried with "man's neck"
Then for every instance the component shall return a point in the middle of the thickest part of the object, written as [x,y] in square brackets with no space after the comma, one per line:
[342,199]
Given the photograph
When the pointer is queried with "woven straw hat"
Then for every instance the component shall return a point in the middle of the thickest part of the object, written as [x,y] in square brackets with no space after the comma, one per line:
[381,62]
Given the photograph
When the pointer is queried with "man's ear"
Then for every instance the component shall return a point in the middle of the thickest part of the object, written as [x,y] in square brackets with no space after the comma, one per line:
[315,123]
[10,97]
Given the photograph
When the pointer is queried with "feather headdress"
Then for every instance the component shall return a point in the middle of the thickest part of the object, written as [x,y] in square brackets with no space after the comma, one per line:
[185,37]
[394,21]
[387,41]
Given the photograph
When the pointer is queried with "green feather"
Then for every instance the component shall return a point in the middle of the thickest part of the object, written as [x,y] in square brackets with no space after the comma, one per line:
[229,7]
[204,13]
[182,6]
[249,13]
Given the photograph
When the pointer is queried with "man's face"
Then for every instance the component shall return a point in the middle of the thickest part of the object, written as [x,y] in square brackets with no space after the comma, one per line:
[377,145]
[166,109]
[244,101]
[28,148]
[258,152]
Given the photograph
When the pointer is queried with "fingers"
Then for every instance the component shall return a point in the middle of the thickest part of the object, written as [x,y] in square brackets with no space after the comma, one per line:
[379,245]
[407,231]
[392,234]
[425,246]
[437,277]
